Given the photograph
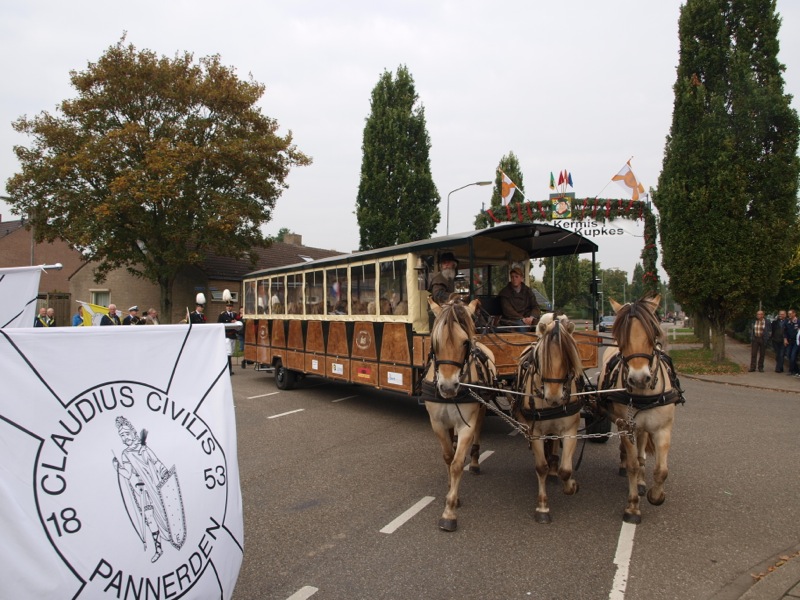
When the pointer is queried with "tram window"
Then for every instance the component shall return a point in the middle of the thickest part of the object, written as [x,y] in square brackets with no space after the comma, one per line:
[294,294]
[338,285]
[362,289]
[314,291]
[249,297]
[393,292]
[277,296]
[262,303]
[480,281]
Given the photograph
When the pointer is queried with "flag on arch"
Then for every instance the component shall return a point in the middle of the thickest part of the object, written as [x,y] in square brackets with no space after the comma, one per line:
[507,188]
[552,181]
[627,180]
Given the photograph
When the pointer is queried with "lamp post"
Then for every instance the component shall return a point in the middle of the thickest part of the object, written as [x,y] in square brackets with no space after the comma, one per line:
[481,183]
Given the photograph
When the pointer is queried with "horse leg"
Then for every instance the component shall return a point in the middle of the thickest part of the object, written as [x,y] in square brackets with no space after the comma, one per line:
[475,450]
[623,460]
[448,520]
[565,472]
[632,513]
[551,452]
[542,514]
[643,443]
[662,440]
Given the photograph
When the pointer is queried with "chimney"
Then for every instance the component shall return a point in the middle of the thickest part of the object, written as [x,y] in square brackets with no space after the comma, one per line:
[293,238]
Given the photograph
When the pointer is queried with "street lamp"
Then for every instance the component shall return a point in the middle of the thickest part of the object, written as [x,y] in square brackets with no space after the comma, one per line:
[447,232]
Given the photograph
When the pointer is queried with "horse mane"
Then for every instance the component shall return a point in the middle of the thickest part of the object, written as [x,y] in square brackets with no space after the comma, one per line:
[452,314]
[557,335]
[640,309]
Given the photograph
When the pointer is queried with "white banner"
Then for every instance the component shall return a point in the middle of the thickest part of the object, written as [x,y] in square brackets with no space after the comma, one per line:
[19,287]
[118,463]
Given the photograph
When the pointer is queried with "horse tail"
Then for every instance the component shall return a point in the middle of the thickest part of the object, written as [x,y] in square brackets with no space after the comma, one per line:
[649,446]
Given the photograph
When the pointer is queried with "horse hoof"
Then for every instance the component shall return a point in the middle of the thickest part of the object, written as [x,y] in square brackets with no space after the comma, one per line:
[542,517]
[623,472]
[448,524]
[631,518]
[476,469]
[655,501]
[641,489]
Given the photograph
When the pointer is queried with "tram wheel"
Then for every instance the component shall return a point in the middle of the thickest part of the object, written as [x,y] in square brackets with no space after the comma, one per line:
[284,378]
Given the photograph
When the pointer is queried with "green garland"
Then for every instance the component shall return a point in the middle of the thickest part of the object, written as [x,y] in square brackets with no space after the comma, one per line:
[597,209]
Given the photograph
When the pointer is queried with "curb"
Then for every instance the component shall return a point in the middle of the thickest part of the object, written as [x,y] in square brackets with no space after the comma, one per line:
[735,383]
[775,585]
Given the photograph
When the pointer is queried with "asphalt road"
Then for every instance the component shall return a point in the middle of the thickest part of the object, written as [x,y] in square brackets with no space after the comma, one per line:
[326,466]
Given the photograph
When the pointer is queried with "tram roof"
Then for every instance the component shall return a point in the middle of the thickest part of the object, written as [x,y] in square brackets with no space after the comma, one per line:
[539,240]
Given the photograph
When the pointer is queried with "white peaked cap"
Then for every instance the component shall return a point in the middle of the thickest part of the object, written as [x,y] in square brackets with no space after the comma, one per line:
[201,299]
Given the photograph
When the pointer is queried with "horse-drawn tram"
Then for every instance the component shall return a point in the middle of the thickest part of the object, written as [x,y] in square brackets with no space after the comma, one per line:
[367,318]
[364,317]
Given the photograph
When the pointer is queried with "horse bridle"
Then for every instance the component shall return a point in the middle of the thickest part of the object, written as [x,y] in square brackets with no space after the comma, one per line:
[566,381]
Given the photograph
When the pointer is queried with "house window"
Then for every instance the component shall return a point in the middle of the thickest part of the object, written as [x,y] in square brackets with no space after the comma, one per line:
[100,297]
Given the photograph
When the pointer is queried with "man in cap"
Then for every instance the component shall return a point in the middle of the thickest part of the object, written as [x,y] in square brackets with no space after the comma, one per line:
[444,282]
[111,318]
[518,303]
[228,316]
[200,304]
[133,316]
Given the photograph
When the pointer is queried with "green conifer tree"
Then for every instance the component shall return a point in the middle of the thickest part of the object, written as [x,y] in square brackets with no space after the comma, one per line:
[397,200]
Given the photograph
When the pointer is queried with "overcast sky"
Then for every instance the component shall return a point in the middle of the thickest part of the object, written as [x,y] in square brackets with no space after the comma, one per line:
[580,85]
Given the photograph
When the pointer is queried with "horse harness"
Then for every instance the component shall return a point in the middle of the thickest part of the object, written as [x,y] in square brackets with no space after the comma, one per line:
[617,368]
[528,368]
[474,356]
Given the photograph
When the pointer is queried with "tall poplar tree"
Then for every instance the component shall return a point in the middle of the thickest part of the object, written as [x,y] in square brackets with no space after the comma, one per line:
[397,200]
[730,171]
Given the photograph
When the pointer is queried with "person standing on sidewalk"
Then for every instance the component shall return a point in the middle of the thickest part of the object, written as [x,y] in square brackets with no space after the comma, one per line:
[759,336]
[790,330]
[776,327]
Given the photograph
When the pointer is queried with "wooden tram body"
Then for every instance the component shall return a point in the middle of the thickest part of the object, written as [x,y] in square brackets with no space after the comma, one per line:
[363,317]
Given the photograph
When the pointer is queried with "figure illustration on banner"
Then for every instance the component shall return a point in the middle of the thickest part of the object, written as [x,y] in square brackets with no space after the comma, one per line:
[150,492]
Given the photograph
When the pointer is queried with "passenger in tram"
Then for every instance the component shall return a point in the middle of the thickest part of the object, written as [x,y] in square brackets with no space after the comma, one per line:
[518,303]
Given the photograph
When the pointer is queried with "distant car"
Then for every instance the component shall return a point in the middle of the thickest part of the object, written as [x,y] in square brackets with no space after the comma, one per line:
[606,324]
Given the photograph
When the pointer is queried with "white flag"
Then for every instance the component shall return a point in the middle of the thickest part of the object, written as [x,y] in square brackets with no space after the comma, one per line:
[627,180]
[19,287]
[118,467]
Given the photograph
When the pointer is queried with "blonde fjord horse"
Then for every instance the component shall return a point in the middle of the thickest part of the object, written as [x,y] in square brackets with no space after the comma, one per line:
[456,357]
[651,393]
[549,372]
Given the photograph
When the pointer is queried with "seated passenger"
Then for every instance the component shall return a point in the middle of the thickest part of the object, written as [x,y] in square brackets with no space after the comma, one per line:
[518,303]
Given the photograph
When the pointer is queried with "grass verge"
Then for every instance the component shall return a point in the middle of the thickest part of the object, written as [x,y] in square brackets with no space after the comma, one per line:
[697,361]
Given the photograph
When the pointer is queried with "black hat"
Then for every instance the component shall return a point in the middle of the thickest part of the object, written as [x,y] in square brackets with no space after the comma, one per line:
[447,256]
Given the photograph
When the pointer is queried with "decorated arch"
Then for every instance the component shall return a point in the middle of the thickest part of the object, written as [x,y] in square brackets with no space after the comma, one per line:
[566,207]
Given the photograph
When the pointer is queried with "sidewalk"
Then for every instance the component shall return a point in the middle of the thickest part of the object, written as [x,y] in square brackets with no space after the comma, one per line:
[739,352]
[782,583]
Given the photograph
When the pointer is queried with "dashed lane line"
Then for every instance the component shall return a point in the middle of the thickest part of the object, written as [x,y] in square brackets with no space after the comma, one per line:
[291,412]
[622,559]
[345,398]
[261,396]
[303,593]
[395,525]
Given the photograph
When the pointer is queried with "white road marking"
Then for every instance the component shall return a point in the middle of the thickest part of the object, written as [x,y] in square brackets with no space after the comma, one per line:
[286,413]
[623,560]
[394,525]
[345,398]
[262,395]
[513,432]
[303,593]
[481,458]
